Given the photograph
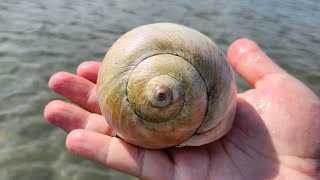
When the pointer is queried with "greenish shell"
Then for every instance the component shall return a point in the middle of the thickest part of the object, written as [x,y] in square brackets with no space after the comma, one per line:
[163,85]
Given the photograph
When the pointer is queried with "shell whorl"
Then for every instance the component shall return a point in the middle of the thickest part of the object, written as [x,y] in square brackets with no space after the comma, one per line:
[163,85]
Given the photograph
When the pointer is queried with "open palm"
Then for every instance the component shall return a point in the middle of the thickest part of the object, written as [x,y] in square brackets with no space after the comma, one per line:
[275,134]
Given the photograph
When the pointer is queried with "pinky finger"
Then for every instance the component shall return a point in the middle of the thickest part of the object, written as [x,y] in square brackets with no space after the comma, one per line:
[117,154]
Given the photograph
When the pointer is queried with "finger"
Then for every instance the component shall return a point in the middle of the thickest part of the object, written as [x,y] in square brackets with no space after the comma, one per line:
[252,64]
[89,70]
[77,89]
[69,117]
[117,154]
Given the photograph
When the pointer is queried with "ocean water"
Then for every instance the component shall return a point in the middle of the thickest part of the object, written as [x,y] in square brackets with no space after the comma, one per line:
[39,38]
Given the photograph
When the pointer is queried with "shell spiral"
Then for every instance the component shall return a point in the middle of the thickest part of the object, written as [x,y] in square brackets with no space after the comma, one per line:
[163,85]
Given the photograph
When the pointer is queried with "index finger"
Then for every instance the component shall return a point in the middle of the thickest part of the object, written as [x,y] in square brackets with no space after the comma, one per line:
[89,70]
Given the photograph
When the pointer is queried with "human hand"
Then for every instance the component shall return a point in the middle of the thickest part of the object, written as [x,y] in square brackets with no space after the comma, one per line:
[275,133]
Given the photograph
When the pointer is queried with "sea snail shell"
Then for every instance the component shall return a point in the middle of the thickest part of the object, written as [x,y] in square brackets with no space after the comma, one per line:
[163,85]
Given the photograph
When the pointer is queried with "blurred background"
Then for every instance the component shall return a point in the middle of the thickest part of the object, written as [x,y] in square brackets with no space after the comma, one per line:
[39,38]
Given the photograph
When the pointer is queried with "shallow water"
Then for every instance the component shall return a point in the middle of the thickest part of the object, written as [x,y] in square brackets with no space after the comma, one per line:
[39,38]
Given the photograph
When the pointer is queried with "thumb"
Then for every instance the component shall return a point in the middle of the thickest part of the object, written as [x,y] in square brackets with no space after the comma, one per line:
[250,62]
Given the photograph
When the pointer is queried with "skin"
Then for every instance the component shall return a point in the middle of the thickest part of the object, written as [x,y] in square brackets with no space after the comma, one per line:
[275,134]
